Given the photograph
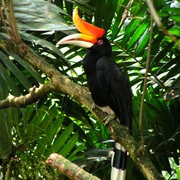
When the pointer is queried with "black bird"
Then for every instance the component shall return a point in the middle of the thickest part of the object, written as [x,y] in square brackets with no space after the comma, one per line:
[109,87]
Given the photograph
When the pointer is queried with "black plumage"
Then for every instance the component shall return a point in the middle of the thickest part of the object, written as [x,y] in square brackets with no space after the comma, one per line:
[107,84]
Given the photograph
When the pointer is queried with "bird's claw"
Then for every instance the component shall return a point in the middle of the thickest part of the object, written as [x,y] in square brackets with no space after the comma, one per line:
[108,118]
[93,106]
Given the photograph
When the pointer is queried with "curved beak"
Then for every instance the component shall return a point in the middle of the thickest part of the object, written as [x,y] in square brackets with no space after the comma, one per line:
[88,33]
[77,40]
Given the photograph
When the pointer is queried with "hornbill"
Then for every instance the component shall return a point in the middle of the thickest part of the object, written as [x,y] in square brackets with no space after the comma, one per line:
[109,87]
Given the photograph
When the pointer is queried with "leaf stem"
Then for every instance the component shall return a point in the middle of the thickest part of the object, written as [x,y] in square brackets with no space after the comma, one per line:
[144,87]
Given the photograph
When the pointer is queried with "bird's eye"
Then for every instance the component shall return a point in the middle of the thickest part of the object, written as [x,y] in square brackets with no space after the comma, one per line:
[100,42]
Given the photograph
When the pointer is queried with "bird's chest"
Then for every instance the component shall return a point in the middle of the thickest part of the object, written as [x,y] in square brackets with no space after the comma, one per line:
[91,74]
[96,91]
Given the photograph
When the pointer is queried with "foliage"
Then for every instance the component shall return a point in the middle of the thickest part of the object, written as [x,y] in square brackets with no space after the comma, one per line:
[56,123]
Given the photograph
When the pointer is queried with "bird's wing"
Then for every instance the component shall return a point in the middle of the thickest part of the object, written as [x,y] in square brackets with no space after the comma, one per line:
[116,88]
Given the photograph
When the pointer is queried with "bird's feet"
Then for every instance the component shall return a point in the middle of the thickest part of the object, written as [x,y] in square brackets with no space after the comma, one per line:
[108,118]
[93,106]
[111,115]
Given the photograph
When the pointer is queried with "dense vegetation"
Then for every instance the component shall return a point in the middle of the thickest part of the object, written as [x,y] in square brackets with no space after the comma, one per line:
[55,121]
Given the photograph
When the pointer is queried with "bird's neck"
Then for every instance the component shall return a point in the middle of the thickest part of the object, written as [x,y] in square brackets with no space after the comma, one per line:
[89,61]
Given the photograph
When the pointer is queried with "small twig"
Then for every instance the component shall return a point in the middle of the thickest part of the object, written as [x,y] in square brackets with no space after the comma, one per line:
[5,9]
[9,14]
[12,22]
[144,87]
[68,168]
[125,13]
[2,10]
[159,23]
[9,170]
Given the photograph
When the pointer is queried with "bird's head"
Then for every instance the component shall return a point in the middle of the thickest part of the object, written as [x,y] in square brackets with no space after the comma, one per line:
[90,36]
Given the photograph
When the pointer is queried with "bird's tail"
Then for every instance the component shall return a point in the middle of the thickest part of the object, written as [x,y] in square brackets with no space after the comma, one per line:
[119,162]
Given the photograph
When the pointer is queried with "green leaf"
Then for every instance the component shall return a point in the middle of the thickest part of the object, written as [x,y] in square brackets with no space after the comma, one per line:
[172,10]
[8,82]
[5,134]
[178,172]
[143,44]
[69,145]
[120,10]
[50,134]
[14,69]
[130,30]
[161,54]
[43,43]
[175,18]
[108,15]
[61,140]
[132,26]
[74,155]
[100,6]
[28,67]
[138,34]
[175,31]
[39,16]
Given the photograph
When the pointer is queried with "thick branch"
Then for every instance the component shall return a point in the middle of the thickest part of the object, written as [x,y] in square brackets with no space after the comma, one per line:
[68,168]
[34,94]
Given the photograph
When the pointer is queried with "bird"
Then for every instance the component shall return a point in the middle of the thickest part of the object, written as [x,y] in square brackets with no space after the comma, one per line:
[109,86]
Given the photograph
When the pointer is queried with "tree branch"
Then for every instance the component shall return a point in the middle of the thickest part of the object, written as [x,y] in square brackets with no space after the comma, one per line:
[68,168]
[34,94]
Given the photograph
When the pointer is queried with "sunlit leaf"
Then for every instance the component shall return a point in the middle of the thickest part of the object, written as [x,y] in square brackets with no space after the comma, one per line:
[39,16]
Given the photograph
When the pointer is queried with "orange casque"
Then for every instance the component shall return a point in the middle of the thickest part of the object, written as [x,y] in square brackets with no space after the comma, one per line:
[87,28]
